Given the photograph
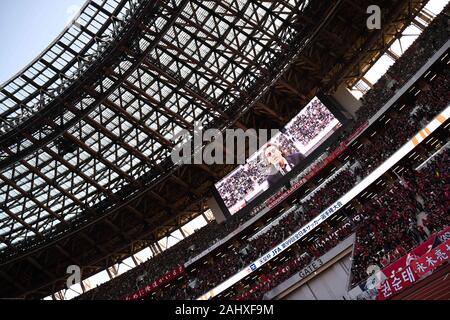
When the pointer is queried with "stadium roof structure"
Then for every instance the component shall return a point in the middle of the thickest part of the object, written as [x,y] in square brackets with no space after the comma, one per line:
[87,128]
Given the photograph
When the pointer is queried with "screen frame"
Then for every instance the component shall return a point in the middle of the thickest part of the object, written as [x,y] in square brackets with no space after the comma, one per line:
[336,109]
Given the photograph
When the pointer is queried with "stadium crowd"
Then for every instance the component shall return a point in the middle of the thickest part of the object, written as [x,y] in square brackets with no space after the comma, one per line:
[405,124]
[430,41]
[309,253]
[370,156]
[217,269]
[390,226]
[386,227]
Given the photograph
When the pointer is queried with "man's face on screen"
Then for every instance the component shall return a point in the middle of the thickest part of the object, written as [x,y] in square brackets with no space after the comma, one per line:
[273,155]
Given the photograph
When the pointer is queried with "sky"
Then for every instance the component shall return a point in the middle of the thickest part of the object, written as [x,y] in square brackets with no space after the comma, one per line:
[27,27]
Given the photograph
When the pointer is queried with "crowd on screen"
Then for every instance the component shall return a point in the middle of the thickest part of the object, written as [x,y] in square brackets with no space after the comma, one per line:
[303,129]
[313,119]
[404,123]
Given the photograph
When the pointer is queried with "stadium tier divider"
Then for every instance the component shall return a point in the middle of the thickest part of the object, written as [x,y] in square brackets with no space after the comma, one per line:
[332,209]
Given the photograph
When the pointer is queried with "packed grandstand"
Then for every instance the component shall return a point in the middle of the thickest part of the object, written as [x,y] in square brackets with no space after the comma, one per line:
[387,227]
[378,180]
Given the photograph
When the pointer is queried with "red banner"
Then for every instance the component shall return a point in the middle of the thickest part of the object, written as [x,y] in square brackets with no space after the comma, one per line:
[168,277]
[418,263]
[432,260]
[405,261]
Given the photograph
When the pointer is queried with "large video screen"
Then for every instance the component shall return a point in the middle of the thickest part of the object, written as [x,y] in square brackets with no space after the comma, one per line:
[302,135]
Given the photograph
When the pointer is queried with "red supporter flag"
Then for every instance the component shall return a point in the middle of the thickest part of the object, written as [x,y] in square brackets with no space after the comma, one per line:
[410,268]
[398,282]
[432,260]
[168,277]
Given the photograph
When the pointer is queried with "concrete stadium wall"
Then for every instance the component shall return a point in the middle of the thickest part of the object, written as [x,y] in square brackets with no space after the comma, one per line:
[348,102]
[325,278]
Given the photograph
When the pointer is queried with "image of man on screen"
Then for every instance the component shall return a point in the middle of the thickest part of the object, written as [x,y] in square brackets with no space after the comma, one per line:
[281,164]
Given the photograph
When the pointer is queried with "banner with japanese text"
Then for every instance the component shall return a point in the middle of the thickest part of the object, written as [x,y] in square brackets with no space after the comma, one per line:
[432,260]
[429,256]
